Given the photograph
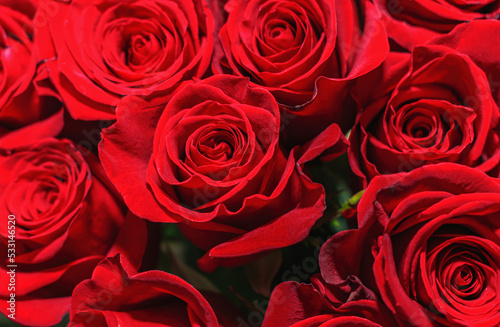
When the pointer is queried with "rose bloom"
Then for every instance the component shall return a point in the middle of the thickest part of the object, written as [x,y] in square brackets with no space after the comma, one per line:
[306,53]
[414,22]
[429,244]
[210,159]
[21,102]
[119,296]
[104,50]
[67,218]
[436,105]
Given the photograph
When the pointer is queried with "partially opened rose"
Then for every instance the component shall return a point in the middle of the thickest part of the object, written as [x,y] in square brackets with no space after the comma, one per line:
[429,244]
[435,105]
[210,159]
[117,295]
[104,50]
[414,22]
[66,217]
[306,53]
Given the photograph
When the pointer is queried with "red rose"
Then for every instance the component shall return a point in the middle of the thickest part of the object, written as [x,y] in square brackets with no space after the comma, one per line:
[429,243]
[119,296]
[106,49]
[211,160]
[324,305]
[306,53]
[67,218]
[414,22]
[21,103]
[435,105]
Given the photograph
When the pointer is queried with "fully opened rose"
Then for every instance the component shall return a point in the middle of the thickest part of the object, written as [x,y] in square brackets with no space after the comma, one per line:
[105,50]
[435,105]
[67,219]
[306,53]
[428,243]
[211,161]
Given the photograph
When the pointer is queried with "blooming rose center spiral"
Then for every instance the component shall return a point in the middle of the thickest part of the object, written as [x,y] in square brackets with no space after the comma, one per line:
[420,125]
[280,33]
[464,278]
[420,130]
[44,186]
[134,46]
[141,48]
[217,144]
[462,272]
[45,196]
[284,29]
[53,179]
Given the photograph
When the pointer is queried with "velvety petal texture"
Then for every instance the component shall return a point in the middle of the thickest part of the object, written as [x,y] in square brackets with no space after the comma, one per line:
[321,304]
[105,50]
[413,22]
[68,217]
[210,160]
[428,244]
[21,100]
[117,295]
[436,105]
[306,53]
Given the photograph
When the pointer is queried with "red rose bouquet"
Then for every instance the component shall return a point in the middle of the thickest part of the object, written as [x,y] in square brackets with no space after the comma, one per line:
[245,163]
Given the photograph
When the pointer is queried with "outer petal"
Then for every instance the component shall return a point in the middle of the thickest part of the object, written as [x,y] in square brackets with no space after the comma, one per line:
[131,137]
[171,300]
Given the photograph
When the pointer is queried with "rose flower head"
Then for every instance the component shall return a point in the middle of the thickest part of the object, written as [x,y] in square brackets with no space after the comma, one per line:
[210,159]
[307,53]
[104,50]
[67,217]
[428,245]
[437,104]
